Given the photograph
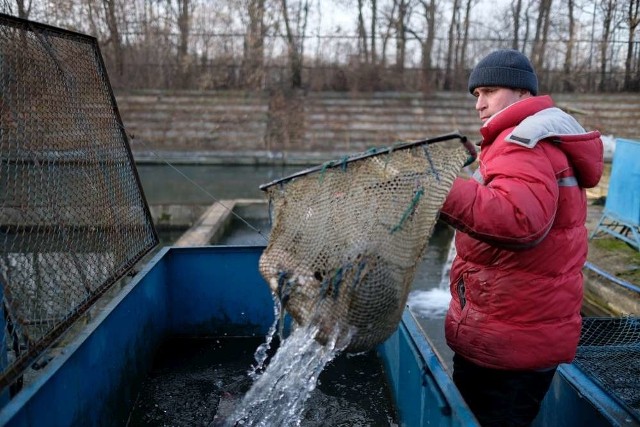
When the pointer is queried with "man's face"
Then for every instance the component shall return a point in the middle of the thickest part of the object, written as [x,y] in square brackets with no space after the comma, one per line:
[491,99]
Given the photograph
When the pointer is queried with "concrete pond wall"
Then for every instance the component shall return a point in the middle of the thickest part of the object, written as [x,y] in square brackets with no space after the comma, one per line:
[257,127]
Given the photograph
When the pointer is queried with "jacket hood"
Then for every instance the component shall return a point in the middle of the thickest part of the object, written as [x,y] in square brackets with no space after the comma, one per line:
[513,115]
[536,119]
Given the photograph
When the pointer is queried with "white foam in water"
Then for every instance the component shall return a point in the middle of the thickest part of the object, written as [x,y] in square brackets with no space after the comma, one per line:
[278,394]
[431,304]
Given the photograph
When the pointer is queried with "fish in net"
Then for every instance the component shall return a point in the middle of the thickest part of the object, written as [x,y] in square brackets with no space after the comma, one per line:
[346,237]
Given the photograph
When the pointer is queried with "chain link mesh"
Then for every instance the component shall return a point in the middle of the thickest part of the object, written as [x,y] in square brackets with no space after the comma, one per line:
[609,353]
[73,218]
[345,241]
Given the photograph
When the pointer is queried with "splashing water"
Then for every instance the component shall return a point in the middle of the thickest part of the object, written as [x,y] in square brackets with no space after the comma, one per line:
[278,394]
[446,269]
[433,303]
[261,353]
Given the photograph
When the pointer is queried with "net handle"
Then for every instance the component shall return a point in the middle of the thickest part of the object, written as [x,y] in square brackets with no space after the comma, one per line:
[468,145]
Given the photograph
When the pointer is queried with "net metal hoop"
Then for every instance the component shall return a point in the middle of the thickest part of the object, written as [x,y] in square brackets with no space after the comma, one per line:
[471,150]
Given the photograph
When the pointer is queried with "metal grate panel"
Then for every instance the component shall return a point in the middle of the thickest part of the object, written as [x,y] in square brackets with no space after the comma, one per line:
[609,353]
[73,218]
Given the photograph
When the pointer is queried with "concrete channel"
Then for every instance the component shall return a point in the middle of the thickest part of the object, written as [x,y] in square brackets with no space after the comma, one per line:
[206,224]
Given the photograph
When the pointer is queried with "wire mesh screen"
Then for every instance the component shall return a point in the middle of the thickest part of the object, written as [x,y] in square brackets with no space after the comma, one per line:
[73,218]
[609,353]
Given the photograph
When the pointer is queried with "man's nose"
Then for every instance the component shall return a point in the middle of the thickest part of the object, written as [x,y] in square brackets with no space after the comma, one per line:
[480,103]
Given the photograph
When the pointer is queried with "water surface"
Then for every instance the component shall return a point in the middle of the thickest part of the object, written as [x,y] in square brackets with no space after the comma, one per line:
[201,382]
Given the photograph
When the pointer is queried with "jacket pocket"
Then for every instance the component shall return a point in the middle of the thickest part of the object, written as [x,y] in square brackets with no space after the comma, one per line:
[461,293]
[464,307]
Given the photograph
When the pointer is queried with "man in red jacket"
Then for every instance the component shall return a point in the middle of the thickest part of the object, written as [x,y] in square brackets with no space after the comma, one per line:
[521,241]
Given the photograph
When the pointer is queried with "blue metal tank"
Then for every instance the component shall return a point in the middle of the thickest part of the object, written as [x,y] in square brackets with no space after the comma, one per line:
[213,291]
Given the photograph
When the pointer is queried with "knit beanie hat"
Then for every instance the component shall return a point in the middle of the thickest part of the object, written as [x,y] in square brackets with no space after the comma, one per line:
[504,68]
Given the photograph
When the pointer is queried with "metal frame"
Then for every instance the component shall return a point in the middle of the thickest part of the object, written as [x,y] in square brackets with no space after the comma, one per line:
[402,146]
[610,224]
[14,372]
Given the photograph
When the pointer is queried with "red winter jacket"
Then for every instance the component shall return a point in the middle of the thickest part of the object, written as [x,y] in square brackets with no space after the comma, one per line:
[521,239]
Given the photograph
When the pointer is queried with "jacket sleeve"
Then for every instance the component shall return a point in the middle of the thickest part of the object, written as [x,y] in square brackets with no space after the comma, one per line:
[514,206]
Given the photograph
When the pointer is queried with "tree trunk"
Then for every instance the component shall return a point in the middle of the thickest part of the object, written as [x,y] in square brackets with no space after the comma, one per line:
[374,19]
[516,9]
[253,67]
[24,8]
[114,34]
[427,45]
[295,61]
[401,36]
[462,57]
[184,27]
[607,20]
[527,20]
[362,35]
[448,77]
[568,57]
[540,38]
[633,19]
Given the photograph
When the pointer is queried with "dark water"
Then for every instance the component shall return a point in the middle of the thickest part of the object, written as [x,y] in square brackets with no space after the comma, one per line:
[241,233]
[193,379]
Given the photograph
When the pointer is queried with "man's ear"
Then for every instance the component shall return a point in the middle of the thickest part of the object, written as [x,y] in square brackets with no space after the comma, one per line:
[524,93]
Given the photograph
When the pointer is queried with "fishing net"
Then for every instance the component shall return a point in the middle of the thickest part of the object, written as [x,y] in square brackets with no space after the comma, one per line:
[347,236]
[609,353]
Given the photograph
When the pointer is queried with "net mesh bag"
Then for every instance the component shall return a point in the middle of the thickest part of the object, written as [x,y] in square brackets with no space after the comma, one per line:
[346,239]
[609,354]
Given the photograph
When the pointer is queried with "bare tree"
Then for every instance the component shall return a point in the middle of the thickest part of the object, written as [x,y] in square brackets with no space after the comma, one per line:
[114,40]
[294,40]
[253,66]
[389,24]
[362,34]
[181,12]
[184,26]
[401,34]
[374,19]
[609,10]
[429,9]
[516,10]
[568,56]
[633,20]
[203,44]
[24,8]
[541,34]
[527,26]
[450,62]
[463,41]
[92,17]
[368,73]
